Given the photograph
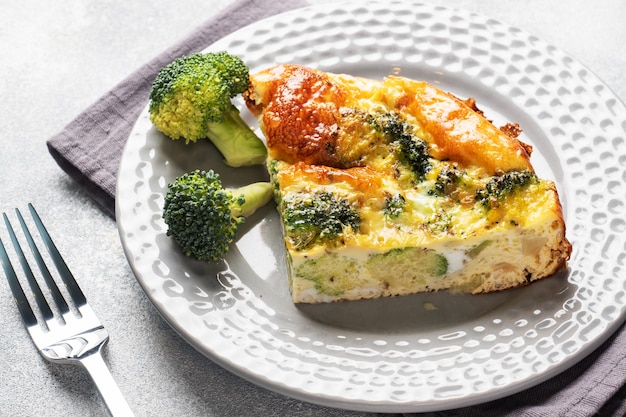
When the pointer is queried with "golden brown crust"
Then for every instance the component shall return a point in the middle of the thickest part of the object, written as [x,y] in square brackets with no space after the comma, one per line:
[458,132]
[362,179]
[300,110]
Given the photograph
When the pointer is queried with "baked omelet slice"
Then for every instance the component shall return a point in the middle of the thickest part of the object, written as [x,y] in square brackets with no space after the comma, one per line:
[394,187]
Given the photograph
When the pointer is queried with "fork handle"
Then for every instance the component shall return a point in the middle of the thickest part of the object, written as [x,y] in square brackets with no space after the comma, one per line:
[110,392]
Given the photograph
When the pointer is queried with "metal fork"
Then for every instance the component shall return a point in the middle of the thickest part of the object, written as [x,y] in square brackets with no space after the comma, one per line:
[63,333]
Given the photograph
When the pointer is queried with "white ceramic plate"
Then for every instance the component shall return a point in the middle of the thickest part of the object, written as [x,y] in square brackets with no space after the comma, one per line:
[417,353]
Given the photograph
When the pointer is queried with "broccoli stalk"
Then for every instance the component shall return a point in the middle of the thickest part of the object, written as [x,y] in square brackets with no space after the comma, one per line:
[202,217]
[191,99]
[253,196]
[243,146]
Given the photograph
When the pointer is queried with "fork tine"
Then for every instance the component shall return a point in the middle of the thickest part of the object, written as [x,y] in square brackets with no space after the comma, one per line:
[44,308]
[18,294]
[80,338]
[68,278]
[45,272]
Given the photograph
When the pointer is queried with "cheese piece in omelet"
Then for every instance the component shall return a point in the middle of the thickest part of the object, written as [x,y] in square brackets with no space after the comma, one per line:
[395,187]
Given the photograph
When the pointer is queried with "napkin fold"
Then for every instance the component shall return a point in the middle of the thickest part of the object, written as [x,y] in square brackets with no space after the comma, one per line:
[89,149]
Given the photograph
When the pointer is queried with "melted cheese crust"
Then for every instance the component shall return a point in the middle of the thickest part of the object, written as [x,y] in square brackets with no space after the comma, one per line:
[319,140]
[302,110]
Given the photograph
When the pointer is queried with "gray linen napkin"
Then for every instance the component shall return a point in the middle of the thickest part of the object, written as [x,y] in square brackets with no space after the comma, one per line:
[90,147]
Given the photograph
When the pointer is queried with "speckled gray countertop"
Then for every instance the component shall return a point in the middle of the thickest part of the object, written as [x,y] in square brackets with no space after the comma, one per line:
[59,57]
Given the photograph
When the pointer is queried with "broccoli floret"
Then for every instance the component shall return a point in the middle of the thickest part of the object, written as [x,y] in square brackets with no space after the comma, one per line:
[501,186]
[321,218]
[202,216]
[412,150]
[191,99]
[448,180]
[394,206]
[403,267]
[332,274]
[234,72]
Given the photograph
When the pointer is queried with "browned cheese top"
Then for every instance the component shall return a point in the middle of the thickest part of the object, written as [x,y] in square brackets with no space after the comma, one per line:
[302,114]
